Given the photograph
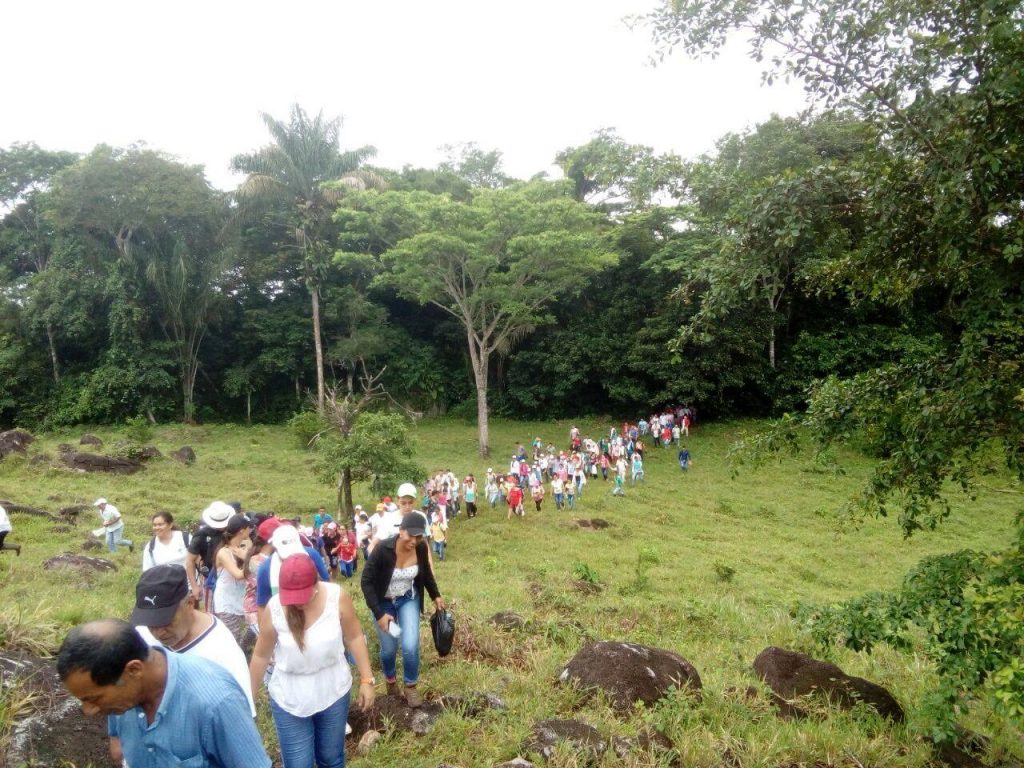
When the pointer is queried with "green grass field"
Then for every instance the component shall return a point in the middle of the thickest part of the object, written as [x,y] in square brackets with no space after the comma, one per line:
[725,560]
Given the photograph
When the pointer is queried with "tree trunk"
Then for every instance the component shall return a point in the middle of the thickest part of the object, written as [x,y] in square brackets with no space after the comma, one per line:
[248,406]
[345,493]
[771,346]
[188,385]
[318,349]
[53,353]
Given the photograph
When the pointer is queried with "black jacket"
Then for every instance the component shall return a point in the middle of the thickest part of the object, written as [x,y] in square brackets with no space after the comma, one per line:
[381,565]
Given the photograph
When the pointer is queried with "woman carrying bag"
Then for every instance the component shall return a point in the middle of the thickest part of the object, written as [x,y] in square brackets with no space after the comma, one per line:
[393,581]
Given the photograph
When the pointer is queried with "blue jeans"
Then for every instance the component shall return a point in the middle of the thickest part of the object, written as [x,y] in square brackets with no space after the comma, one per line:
[114,538]
[347,569]
[319,737]
[406,611]
[439,547]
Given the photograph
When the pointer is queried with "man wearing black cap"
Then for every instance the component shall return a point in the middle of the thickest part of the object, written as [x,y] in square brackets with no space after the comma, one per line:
[165,617]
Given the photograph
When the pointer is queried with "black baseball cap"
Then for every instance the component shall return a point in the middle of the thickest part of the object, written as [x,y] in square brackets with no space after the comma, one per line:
[158,594]
[414,524]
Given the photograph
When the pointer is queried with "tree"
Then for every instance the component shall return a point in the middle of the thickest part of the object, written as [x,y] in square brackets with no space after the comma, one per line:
[296,182]
[161,218]
[615,176]
[25,236]
[495,263]
[769,207]
[374,448]
[940,86]
[474,166]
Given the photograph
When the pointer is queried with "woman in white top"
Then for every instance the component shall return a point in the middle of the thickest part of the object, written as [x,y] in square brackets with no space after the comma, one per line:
[306,628]
[229,591]
[168,545]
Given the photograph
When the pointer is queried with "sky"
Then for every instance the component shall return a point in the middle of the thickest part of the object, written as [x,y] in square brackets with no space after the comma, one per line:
[528,78]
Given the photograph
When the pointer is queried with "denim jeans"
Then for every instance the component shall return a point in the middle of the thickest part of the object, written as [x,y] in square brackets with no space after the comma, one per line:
[114,538]
[439,547]
[347,568]
[319,737]
[406,611]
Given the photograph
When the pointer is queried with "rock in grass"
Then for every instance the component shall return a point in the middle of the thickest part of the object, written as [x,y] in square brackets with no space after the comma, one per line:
[629,672]
[392,713]
[14,441]
[791,674]
[185,455]
[78,563]
[88,439]
[516,763]
[93,462]
[647,741]
[581,737]
[507,620]
[367,742]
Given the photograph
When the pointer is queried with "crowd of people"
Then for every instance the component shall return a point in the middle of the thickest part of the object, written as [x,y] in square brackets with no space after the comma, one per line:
[249,602]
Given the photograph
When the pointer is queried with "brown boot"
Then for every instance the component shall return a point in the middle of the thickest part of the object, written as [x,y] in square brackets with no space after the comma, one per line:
[412,697]
[394,689]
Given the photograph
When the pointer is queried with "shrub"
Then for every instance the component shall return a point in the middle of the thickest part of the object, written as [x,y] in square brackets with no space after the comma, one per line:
[138,429]
[306,425]
[723,572]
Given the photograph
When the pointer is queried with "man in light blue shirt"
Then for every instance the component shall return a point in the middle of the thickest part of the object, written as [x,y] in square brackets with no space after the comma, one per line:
[168,710]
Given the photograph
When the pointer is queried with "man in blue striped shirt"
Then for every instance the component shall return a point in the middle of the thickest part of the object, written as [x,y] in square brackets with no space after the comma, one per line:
[168,710]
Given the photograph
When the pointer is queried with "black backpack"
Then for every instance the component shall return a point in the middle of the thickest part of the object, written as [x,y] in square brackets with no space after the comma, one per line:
[185,536]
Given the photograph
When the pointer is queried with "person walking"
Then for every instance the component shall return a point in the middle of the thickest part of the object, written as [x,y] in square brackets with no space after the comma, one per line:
[165,708]
[113,526]
[395,576]
[6,528]
[169,546]
[306,629]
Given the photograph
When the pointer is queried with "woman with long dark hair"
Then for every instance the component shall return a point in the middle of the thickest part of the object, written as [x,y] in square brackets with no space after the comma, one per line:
[396,573]
[306,628]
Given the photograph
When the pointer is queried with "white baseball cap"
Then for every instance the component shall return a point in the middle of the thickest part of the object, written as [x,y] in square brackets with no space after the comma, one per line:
[407,489]
[99,502]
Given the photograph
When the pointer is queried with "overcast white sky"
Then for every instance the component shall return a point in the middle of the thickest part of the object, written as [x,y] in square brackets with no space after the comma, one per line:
[528,78]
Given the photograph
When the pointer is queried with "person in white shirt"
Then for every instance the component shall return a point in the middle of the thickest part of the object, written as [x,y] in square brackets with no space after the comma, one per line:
[169,546]
[113,525]
[5,528]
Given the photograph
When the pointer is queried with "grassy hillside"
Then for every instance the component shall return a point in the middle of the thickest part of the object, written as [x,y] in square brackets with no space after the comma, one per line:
[721,561]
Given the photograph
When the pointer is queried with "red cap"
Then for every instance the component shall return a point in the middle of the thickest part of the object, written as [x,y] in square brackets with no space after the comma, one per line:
[298,580]
[386,499]
[267,528]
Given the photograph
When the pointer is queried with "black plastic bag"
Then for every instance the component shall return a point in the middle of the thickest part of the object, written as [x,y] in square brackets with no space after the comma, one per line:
[442,627]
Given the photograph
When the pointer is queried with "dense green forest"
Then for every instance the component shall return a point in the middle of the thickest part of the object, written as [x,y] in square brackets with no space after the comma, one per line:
[131,287]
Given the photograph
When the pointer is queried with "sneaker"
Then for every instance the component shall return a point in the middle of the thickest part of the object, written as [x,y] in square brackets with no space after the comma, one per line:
[348,729]
[17,548]
[394,689]
[131,547]
[412,697]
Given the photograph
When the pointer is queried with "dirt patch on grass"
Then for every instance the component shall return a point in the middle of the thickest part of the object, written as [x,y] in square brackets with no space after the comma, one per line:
[49,727]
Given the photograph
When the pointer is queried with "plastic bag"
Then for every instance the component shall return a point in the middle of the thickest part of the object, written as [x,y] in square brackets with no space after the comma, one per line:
[442,627]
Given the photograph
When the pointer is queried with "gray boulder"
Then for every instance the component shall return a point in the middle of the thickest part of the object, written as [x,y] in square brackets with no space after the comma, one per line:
[629,672]
[581,738]
[88,439]
[791,674]
[185,455]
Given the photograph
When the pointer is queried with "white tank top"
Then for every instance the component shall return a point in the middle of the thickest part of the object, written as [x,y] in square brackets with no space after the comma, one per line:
[310,680]
[228,594]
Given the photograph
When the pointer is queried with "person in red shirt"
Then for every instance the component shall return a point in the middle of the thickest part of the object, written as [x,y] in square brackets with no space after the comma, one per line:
[515,501]
[346,551]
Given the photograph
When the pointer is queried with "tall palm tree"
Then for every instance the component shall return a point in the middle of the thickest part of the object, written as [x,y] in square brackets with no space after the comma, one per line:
[303,174]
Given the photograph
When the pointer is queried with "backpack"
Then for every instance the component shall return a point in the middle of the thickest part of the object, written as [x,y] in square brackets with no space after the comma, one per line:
[185,536]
